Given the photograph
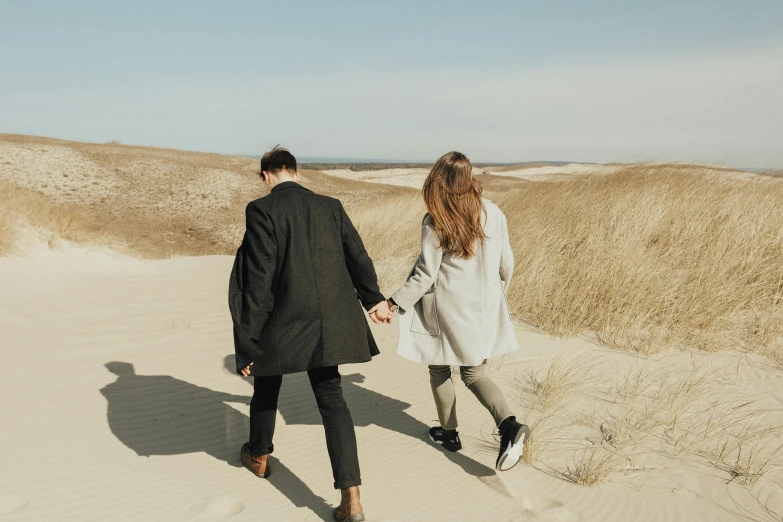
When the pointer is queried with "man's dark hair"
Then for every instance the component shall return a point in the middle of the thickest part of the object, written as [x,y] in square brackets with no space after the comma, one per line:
[278,159]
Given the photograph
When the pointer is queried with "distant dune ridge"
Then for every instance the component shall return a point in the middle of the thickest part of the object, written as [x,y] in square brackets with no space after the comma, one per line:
[141,200]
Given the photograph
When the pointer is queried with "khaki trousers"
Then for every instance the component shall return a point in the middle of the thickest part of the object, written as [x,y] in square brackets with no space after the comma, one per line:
[477,381]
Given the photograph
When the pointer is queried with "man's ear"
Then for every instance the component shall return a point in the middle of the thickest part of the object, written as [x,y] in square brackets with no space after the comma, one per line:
[296,176]
[265,175]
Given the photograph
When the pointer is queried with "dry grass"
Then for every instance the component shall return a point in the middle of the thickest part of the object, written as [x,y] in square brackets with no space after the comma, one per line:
[650,256]
[591,467]
[144,236]
[653,399]
[393,242]
[554,400]
[51,221]
[547,397]
[144,201]
[644,258]
[743,438]
[694,414]
[669,411]
[8,231]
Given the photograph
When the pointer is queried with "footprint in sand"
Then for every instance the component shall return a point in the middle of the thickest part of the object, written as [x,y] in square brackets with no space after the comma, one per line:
[535,508]
[221,506]
[545,510]
[12,503]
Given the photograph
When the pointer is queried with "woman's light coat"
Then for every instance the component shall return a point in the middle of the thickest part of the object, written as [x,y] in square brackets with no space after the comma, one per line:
[453,311]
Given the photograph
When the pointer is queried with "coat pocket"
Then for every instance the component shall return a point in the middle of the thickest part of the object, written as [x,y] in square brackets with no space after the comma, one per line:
[425,315]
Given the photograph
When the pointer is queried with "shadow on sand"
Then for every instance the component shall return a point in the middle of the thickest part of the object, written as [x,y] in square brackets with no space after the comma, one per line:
[162,415]
[297,407]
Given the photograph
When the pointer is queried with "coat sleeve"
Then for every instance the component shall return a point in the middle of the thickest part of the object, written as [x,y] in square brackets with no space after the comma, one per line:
[424,272]
[506,257]
[259,249]
[245,350]
[359,264]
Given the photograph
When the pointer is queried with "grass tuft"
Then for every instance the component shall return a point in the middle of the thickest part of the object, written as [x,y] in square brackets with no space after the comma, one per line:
[8,231]
[671,409]
[591,467]
[547,396]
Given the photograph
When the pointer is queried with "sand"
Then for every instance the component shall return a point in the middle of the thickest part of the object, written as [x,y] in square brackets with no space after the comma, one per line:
[146,201]
[117,406]
[117,403]
[414,177]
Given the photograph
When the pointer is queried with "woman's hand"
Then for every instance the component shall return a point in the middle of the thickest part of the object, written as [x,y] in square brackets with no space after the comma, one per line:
[246,370]
[381,313]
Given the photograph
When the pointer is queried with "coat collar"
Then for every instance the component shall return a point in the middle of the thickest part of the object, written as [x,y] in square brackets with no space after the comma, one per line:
[288,184]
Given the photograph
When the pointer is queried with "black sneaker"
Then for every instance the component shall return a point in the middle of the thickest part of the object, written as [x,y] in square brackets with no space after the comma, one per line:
[512,440]
[449,439]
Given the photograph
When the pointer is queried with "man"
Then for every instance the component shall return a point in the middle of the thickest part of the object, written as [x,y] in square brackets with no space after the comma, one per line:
[295,293]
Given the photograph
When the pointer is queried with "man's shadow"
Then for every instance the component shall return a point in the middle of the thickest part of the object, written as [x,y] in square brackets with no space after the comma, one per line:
[297,406]
[162,415]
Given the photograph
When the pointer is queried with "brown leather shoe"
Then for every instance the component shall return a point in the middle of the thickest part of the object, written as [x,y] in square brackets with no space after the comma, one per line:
[258,465]
[350,509]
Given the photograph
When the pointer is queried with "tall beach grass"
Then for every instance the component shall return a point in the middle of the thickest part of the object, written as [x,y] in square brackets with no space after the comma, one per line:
[644,258]
[651,257]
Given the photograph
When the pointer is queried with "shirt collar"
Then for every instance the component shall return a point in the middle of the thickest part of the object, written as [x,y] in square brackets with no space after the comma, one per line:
[286,185]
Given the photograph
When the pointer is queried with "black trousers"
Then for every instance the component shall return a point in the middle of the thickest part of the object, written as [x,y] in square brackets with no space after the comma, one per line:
[338,424]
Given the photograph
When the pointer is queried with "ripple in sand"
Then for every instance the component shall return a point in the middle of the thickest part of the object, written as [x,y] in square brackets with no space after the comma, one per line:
[552,514]
[12,503]
[221,506]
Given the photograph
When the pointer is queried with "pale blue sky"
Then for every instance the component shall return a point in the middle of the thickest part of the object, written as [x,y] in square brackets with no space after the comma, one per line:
[502,81]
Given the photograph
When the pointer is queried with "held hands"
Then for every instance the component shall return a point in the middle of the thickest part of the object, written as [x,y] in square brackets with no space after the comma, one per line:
[382,313]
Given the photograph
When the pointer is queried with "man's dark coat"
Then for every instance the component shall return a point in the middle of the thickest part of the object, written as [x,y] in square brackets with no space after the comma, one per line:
[297,283]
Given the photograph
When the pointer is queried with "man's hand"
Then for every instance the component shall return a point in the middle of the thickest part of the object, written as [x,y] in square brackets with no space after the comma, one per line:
[246,370]
[381,313]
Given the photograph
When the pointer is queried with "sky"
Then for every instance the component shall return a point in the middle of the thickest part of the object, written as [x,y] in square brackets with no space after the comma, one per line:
[504,81]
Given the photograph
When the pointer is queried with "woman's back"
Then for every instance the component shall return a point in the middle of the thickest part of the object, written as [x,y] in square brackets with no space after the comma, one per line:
[476,281]
[454,307]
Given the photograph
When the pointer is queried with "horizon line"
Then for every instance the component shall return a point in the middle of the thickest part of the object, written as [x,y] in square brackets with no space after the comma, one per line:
[310,160]
[338,160]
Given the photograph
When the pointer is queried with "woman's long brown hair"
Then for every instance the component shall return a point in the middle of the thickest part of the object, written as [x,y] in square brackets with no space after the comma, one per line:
[453,199]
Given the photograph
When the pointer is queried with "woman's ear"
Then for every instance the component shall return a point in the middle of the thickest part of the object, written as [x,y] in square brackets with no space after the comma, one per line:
[296,176]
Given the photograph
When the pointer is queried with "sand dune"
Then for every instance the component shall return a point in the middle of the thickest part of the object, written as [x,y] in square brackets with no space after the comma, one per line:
[114,347]
[497,178]
[143,200]
[118,406]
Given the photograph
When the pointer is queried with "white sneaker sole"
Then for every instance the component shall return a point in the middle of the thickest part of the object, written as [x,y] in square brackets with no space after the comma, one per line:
[513,453]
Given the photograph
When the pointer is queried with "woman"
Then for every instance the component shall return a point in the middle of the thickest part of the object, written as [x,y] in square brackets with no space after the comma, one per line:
[453,308]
